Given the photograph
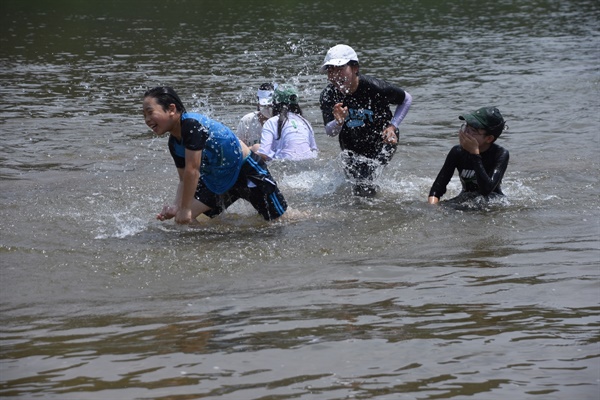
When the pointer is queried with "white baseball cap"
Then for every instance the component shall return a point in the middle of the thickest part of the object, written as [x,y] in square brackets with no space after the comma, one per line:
[338,55]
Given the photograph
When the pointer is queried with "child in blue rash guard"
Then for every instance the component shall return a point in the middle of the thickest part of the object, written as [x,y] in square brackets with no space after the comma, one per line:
[480,162]
[357,108]
[215,169]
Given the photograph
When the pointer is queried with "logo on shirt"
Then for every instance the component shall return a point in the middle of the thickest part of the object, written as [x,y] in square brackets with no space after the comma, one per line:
[468,176]
[467,173]
[357,117]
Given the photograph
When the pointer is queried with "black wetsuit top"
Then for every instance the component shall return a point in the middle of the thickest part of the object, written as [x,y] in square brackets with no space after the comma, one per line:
[478,173]
[369,113]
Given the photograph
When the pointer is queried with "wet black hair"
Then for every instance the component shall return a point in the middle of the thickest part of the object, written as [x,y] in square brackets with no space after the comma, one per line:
[353,63]
[165,96]
[266,86]
[282,109]
[497,130]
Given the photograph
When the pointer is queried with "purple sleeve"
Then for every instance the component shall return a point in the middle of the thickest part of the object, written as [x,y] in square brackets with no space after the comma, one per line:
[402,110]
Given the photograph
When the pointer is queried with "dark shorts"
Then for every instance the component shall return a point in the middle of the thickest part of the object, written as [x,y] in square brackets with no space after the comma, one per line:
[254,184]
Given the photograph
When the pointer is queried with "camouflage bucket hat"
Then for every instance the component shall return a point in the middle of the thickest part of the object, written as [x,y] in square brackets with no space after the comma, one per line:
[285,94]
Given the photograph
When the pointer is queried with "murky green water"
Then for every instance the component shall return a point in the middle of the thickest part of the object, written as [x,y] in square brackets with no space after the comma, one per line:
[386,298]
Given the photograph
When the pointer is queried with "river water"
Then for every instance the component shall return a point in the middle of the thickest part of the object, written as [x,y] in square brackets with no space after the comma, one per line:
[384,298]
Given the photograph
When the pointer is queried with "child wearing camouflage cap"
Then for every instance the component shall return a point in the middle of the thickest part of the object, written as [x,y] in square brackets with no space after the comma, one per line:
[480,162]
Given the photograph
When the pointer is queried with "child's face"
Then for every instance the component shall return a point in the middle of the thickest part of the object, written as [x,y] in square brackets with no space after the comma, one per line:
[471,138]
[266,111]
[465,128]
[159,120]
[480,135]
[341,77]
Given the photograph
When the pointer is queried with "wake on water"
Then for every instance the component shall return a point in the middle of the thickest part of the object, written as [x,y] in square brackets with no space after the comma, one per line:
[314,188]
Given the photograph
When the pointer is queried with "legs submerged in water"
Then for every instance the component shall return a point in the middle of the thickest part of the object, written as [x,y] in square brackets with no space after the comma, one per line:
[363,172]
[365,189]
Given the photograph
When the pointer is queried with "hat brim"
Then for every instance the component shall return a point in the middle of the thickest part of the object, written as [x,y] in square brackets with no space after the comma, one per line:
[472,120]
[336,62]
[265,101]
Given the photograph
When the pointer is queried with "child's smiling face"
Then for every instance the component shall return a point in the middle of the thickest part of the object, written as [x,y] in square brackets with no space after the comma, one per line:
[157,118]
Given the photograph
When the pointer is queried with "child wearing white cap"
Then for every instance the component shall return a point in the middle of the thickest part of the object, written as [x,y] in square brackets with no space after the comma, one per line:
[250,126]
[357,108]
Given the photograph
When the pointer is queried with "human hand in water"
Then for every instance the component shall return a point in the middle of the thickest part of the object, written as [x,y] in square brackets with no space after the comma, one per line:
[167,212]
[433,200]
[340,113]
[183,216]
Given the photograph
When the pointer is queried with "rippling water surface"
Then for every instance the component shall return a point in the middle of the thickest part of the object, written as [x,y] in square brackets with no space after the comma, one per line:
[386,298]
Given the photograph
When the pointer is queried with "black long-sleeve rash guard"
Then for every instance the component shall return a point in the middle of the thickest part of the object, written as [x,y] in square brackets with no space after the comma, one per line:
[369,113]
[478,173]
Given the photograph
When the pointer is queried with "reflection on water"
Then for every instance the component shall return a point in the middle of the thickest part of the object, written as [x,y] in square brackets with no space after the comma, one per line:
[191,352]
[348,297]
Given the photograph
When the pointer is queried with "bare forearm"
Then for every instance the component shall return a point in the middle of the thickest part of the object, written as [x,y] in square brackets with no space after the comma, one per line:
[178,194]
[187,189]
